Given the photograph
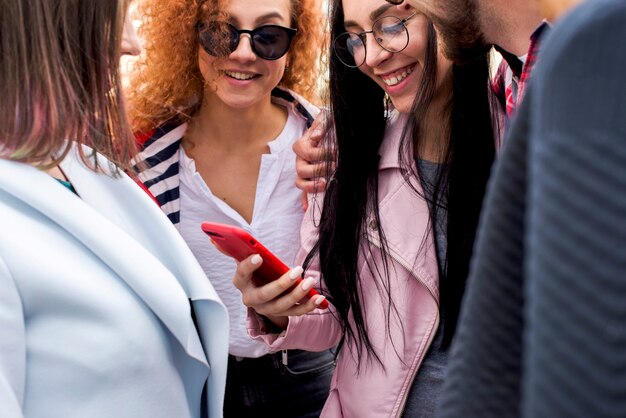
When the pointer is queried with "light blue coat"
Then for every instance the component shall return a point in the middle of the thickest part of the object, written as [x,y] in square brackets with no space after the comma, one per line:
[95,318]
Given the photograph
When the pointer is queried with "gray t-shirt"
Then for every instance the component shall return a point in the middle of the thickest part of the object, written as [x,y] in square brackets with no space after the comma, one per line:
[424,395]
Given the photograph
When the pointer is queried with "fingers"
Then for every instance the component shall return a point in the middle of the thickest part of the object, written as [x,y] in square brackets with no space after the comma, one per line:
[282,322]
[272,292]
[304,308]
[312,159]
[311,185]
[284,296]
[308,170]
[245,270]
[255,294]
[293,303]
[310,176]
[307,147]
[316,131]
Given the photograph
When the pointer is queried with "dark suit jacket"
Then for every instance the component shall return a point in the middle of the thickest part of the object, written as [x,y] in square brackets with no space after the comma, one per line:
[543,327]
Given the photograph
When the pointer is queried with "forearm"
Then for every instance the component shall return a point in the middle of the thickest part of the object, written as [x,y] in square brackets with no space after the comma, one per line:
[316,331]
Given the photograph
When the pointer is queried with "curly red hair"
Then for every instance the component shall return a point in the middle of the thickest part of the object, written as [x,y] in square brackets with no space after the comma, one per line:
[165,82]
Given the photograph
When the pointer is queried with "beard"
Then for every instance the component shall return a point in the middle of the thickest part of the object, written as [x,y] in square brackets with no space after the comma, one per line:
[458,25]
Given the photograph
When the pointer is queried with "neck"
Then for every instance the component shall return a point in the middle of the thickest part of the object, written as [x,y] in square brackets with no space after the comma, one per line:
[510,23]
[56,172]
[235,128]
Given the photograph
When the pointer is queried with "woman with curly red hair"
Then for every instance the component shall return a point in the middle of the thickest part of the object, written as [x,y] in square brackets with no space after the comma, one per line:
[214,97]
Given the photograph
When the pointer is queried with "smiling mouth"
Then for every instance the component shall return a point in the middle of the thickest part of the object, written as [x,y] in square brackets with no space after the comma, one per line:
[240,76]
[398,76]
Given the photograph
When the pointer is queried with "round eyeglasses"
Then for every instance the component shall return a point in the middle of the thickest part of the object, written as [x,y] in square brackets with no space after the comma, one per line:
[389,32]
[269,42]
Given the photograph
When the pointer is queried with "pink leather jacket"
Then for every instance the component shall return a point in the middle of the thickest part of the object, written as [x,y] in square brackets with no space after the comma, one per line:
[374,391]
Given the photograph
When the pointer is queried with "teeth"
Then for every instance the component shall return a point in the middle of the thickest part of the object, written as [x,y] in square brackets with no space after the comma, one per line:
[239,76]
[392,81]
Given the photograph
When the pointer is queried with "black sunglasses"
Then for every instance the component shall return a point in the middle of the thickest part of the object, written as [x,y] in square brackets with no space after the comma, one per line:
[269,42]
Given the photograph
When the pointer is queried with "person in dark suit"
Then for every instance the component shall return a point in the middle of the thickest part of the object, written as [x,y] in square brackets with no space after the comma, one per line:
[543,326]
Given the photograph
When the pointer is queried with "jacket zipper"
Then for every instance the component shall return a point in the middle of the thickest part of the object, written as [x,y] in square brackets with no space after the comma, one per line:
[431,337]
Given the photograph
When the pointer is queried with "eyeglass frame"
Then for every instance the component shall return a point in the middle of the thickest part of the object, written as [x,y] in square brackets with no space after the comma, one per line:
[291,33]
[363,37]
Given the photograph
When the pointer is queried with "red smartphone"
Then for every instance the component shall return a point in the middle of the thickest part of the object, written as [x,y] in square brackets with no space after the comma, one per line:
[240,245]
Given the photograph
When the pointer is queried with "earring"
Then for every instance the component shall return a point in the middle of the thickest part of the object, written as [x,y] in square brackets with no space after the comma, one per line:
[387,103]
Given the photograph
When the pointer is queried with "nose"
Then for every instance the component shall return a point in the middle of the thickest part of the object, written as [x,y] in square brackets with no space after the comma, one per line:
[244,52]
[130,40]
[375,54]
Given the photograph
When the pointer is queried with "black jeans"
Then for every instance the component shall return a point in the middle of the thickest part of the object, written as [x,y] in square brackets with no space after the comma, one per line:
[276,385]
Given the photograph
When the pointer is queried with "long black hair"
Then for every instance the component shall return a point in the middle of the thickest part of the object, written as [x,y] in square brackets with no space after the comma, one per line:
[359,117]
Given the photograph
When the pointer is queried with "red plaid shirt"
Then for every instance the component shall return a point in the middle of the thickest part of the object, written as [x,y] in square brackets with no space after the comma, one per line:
[513,74]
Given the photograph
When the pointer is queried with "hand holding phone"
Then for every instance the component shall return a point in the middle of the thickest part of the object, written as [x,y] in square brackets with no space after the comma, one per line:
[240,245]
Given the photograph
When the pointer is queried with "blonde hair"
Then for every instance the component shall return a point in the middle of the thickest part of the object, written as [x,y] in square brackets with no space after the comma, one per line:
[166,82]
[60,80]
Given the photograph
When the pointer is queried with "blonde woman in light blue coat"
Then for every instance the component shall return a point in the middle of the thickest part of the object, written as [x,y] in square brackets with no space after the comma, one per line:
[104,311]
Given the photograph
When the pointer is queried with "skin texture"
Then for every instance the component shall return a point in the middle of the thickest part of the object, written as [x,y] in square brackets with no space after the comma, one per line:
[458,24]
[130,41]
[220,88]
[383,66]
[467,26]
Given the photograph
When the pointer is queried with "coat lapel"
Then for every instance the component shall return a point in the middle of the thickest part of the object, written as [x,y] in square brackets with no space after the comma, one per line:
[95,219]
[403,211]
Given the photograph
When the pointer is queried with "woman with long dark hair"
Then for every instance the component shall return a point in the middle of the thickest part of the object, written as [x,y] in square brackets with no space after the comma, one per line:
[414,143]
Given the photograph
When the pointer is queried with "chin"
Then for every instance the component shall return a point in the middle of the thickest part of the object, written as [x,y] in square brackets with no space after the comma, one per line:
[238,102]
[403,105]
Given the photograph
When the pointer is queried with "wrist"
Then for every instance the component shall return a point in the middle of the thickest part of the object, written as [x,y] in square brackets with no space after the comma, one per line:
[275,324]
